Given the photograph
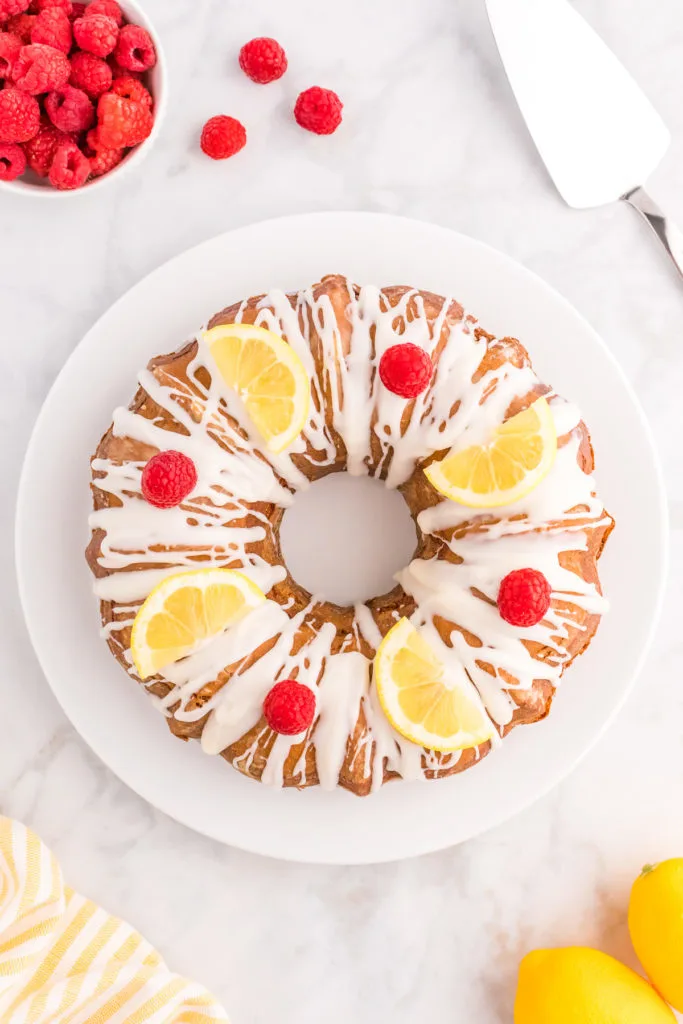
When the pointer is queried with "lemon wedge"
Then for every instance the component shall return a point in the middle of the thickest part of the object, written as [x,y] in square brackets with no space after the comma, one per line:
[185,609]
[417,699]
[520,454]
[269,377]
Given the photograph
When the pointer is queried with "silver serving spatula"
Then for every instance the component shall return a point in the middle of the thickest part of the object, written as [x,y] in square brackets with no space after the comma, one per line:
[598,134]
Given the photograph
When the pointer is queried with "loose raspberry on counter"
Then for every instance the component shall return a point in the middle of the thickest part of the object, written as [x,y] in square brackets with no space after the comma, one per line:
[524,597]
[42,5]
[22,25]
[96,33]
[223,136]
[91,74]
[10,45]
[69,109]
[101,160]
[318,110]
[168,478]
[289,707]
[122,122]
[12,161]
[70,168]
[135,49]
[8,8]
[263,60]
[40,68]
[132,89]
[406,370]
[53,28]
[110,8]
[19,115]
[40,150]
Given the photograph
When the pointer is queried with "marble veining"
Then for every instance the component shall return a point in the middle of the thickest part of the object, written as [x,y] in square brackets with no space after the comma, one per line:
[432,132]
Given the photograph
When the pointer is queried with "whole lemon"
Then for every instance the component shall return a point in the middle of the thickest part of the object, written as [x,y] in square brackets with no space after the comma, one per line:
[655,920]
[583,986]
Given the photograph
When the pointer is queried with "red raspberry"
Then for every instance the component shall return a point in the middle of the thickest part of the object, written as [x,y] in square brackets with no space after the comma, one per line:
[70,168]
[90,73]
[524,597]
[19,116]
[108,7]
[22,25]
[263,60]
[53,28]
[132,89]
[289,707]
[406,370]
[10,45]
[222,137]
[135,49]
[318,110]
[12,161]
[69,109]
[122,122]
[102,161]
[40,150]
[8,8]
[42,5]
[40,68]
[168,478]
[77,11]
[96,33]
[120,72]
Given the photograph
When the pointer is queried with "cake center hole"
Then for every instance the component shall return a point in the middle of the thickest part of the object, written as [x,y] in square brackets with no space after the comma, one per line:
[345,537]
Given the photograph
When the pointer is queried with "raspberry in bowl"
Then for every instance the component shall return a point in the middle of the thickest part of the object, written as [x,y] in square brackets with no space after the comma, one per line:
[80,133]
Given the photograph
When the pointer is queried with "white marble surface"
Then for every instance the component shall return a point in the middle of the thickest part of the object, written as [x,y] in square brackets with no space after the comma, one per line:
[430,132]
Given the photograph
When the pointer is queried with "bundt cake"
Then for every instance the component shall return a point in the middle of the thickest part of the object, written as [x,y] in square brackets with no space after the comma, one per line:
[448,592]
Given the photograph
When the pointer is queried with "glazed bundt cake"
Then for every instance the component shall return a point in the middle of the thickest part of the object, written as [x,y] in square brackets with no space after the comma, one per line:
[448,592]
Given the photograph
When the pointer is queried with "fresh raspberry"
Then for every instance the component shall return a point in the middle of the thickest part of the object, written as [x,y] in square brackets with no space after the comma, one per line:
[42,5]
[318,110]
[102,161]
[263,60]
[524,597]
[40,68]
[132,89]
[121,72]
[90,73]
[12,161]
[10,45]
[40,150]
[22,25]
[222,137]
[77,11]
[70,168]
[108,7]
[8,8]
[168,478]
[19,116]
[135,49]
[122,122]
[289,707]
[406,370]
[96,33]
[53,28]
[69,109]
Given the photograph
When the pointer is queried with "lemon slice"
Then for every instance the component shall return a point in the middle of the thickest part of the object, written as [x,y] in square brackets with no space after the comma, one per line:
[269,377]
[418,701]
[186,609]
[520,454]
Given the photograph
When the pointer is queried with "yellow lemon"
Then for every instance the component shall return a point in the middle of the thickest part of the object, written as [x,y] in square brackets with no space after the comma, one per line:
[584,986]
[419,701]
[185,609]
[655,920]
[269,377]
[519,455]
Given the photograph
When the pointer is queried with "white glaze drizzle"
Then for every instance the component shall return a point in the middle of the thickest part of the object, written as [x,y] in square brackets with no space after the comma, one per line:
[224,518]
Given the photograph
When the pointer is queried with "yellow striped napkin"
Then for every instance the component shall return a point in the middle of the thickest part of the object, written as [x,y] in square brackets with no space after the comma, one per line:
[63,960]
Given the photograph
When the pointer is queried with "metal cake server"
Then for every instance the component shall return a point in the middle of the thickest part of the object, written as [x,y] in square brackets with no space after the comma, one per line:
[597,133]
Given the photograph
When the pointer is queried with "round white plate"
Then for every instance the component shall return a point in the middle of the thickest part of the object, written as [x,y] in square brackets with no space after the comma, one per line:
[118,720]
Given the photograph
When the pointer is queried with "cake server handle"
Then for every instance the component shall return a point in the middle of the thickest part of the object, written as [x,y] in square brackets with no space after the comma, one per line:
[664,228]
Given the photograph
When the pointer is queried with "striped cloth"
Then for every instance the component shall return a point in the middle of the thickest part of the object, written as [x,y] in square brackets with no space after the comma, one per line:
[63,960]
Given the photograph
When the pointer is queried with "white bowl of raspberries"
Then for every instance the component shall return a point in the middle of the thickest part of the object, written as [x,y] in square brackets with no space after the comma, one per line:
[82,93]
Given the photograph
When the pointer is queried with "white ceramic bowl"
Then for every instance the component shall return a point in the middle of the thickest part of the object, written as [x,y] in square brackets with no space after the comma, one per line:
[40,188]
